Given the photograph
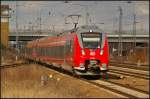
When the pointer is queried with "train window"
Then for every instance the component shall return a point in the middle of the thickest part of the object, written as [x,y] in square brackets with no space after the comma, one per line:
[91,40]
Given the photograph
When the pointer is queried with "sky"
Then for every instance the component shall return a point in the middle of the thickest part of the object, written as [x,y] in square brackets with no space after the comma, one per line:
[104,14]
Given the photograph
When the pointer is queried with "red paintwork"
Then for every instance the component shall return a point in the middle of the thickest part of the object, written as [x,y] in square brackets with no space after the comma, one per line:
[72,59]
[79,58]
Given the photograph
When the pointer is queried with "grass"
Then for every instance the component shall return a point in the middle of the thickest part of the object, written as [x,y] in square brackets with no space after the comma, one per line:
[25,82]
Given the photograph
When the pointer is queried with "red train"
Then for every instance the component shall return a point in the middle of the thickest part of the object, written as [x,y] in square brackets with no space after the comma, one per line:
[83,51]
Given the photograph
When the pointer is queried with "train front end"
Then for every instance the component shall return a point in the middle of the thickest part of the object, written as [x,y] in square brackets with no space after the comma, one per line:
[91,51]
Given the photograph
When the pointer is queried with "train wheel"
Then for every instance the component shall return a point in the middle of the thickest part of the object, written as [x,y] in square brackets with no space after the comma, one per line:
[72,70]
[61,69]
[74,74]
[33,61]
[29,61]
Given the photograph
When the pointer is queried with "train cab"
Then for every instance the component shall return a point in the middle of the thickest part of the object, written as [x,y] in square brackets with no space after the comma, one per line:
[91,50]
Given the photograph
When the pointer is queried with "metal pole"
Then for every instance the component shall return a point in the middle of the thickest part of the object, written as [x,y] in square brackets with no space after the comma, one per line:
[87,14]
[17,30]
[53,26]
[40,21]
[120,33]
[24,28]
[134,31]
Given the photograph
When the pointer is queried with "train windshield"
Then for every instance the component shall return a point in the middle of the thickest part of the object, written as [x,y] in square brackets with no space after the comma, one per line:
[91,40]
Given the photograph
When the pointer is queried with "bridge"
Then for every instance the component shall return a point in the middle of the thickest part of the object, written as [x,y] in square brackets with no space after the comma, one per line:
[28,36]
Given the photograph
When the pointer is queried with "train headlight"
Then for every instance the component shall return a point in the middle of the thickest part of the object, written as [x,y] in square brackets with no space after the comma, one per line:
[101,52]
[82,52]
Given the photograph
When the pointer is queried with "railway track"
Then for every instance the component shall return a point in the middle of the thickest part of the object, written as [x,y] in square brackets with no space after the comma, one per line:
[115,88]
[132,66]
[124,91]
[12,65]
[129,72]
[112,61]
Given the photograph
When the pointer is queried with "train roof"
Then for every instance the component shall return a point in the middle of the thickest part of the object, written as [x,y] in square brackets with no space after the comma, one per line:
[86,28]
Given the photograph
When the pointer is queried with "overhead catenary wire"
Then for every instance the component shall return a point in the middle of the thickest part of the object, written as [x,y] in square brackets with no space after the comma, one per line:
[61,12]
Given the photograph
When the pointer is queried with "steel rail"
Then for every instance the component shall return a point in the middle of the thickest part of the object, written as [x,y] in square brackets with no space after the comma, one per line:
[124,69]
[12,65]
[123,63]
[117,89]
[140,67]
[122,73]
[128,91]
